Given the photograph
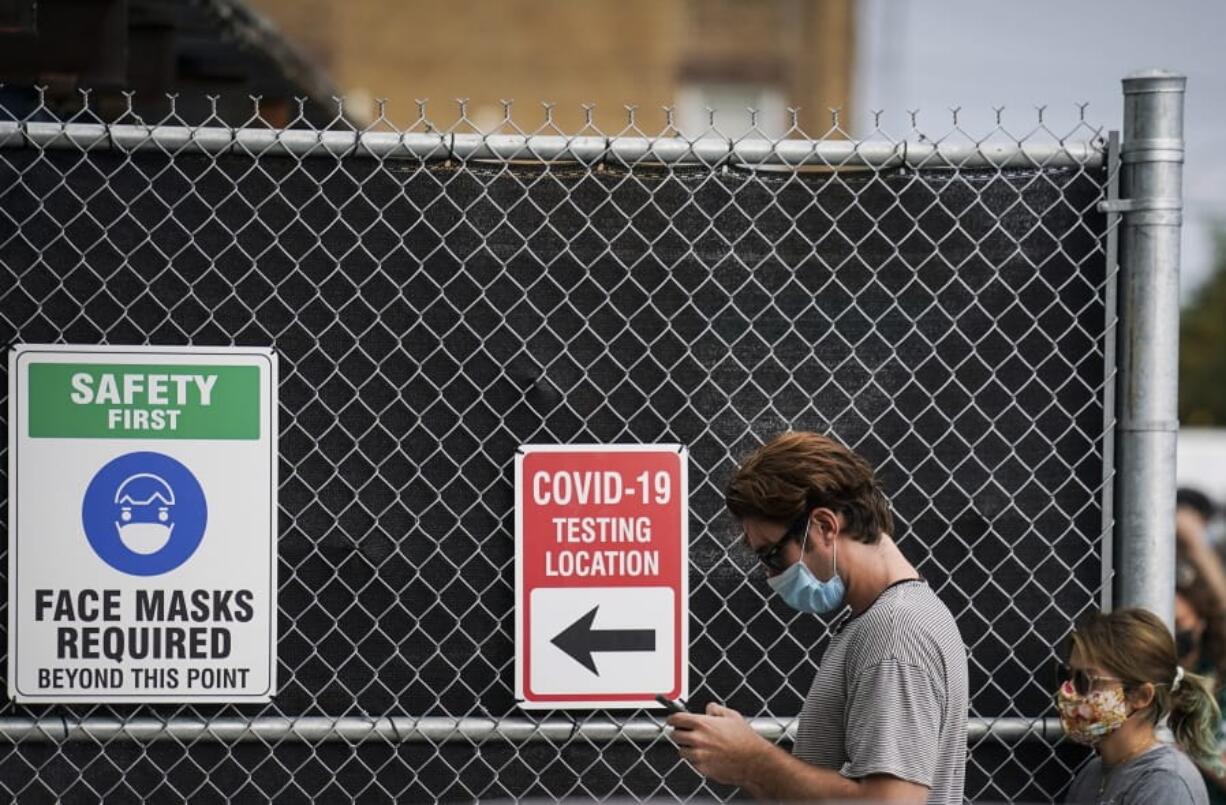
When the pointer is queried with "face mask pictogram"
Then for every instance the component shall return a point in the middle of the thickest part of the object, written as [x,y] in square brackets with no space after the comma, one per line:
[145,503]
[144,513]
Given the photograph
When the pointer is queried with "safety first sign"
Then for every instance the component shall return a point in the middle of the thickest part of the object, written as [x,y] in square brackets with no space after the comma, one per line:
[601,575]
[142,524]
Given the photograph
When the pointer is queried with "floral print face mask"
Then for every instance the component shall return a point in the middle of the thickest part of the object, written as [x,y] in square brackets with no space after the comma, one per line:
[1090,718]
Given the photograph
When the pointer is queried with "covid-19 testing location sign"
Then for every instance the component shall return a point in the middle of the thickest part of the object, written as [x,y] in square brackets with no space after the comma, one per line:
[142,524]
[601,575]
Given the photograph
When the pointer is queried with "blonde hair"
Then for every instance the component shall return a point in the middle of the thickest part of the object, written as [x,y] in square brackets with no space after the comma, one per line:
[1135,646]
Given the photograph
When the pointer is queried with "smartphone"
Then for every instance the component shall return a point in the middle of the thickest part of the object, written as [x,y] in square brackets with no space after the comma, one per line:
[670,705]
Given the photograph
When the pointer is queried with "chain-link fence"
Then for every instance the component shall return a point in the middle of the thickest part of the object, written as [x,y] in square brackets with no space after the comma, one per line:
[437,296]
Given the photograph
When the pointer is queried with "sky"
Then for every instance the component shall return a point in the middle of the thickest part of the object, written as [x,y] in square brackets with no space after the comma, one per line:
[934,55]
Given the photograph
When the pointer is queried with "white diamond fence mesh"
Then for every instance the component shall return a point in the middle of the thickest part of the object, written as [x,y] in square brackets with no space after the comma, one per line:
[439,296]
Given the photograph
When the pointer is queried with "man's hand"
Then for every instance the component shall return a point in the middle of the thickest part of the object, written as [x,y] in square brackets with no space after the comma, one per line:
[720,745]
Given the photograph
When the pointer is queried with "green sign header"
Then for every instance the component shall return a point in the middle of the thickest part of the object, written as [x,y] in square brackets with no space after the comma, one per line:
[144,401]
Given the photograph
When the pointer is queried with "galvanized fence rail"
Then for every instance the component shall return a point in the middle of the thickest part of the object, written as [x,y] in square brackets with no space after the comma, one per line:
[939,300]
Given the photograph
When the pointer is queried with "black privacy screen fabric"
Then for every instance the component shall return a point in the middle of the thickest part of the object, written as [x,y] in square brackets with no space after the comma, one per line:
[430,318]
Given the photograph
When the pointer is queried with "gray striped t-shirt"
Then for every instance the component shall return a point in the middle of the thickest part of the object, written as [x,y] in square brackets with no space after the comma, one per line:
[890,695]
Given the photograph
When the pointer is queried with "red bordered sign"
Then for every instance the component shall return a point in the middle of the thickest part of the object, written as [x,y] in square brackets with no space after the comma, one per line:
[601,584]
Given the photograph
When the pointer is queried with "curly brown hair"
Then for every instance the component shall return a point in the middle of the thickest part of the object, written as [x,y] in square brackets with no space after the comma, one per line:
[796,472]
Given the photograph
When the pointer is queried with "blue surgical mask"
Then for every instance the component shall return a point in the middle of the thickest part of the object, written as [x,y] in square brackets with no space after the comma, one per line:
[801,590]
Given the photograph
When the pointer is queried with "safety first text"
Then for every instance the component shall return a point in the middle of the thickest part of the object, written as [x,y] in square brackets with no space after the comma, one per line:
[142,401]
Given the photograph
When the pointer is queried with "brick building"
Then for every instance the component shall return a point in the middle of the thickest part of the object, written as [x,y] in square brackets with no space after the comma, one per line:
[769,54]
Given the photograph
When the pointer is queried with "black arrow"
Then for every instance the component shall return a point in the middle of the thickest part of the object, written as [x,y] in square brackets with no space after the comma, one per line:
[579,640]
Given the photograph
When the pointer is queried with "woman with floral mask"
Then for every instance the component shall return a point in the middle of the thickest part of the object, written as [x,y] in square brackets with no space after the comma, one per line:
[1122,679]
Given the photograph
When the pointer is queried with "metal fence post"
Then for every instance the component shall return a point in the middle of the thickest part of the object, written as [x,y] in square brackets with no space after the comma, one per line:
[1152,180]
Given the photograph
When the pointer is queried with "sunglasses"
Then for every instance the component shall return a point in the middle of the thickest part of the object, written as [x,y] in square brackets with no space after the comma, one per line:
[772,556]
[1082,680]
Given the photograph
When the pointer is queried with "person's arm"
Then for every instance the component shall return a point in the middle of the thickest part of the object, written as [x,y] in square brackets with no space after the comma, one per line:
[722,746]
[1200,553]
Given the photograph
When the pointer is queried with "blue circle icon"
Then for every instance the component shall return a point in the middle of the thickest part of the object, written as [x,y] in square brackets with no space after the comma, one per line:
[144,513]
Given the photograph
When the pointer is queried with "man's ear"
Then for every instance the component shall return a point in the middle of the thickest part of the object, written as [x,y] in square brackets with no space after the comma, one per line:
[825,522]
